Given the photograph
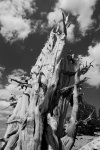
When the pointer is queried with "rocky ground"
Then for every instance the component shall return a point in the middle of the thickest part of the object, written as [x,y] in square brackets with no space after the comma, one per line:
[80,141]
[83,140]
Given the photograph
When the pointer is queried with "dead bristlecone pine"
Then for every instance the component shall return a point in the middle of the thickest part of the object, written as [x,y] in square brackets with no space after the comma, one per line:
[38,121]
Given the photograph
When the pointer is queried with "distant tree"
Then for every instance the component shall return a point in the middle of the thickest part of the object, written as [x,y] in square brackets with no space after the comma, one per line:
[98,121]
[84,110]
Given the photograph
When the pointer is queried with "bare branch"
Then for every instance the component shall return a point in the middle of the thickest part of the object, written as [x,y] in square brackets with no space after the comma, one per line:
[85,68]
[83,80]
[87,119]
[66,89]
[14,121]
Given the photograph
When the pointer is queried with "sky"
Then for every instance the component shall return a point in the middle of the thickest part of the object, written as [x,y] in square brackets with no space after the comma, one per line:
[24,29]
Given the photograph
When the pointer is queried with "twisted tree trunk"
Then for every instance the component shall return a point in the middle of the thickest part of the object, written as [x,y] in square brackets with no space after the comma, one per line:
[38,120]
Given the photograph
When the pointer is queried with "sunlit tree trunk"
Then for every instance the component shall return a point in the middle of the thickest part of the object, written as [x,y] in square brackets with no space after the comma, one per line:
[38,121]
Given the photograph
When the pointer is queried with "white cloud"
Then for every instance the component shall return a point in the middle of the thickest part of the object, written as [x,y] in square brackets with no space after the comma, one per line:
[2,68]
[4,94]
[13,27]
[13,18]
[4,104]
[70,35]
[94,52]
[57,16]
[43,14]
[6,112]
[54,16]
[93,73]
[82,9]
[12,87]
[17,73]
[2,118]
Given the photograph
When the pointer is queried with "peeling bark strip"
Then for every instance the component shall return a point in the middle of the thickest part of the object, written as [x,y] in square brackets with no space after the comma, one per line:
[42,109]
[12,141]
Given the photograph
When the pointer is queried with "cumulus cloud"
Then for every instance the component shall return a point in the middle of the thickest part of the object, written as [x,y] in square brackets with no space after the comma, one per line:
[54,16]
[70,34]
[4,94]
[14,28]
[12,87]
[13,18]
[39,26]
[2,68]
[4,104]
[81,9]
[94,72]
[17,73]
[2,118]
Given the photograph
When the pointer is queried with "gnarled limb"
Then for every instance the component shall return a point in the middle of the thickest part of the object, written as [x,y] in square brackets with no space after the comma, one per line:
[68,140]
[63,112]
